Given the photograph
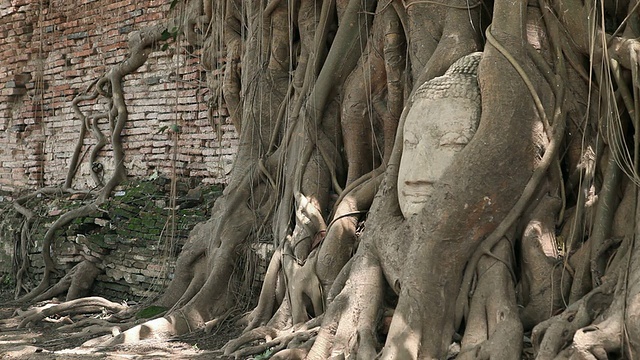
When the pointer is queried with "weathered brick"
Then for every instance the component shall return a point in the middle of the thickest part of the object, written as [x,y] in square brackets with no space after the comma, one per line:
[78,35]
[41,75]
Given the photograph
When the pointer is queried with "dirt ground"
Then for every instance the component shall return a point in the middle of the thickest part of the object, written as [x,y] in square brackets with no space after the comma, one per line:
[44,342]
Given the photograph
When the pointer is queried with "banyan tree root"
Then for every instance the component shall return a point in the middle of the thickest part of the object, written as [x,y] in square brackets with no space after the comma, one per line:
[271,295]
[600,324]
[550,336]
[350,325]
[599,340]
[211,276]
[190,271]
[77,282]
[25,235]
[47,244]
[73,307]
[594,326]
[98,329]
[541,285]
[494,328]
[96,325]
[273,339]
[308,283]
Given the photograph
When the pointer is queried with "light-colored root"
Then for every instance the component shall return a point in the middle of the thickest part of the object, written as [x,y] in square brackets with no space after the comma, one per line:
[303,285]
[93,322]
[62,320]
[263,332]
[596,341]
[297,353]
[494,330]
[160,328]
[278,343]
[97,330]
[349,330]
[273,339]
[78,306]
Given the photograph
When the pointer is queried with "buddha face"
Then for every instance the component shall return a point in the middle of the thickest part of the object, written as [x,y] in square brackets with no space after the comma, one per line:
[435,131]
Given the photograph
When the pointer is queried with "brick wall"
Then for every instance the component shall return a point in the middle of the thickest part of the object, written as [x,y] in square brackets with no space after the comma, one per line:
[51,50]
[130,242]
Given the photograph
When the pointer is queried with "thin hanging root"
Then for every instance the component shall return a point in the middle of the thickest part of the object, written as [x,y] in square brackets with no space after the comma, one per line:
[88,304]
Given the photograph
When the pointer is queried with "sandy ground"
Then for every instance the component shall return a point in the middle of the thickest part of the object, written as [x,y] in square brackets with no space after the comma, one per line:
[43,341]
